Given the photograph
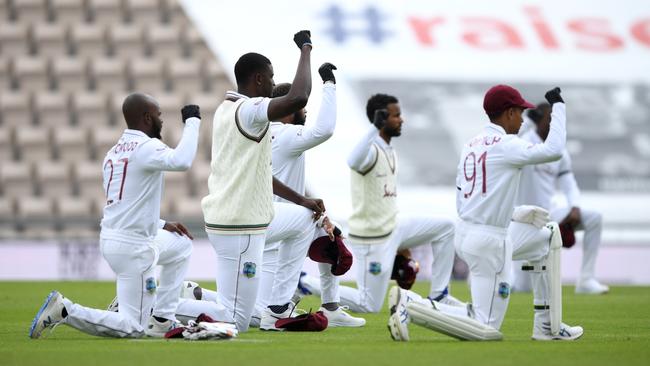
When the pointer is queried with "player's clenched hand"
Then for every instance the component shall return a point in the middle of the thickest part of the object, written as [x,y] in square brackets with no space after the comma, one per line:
[314,204]
[553,96]
[302,38]
[326,73]
[189,111]
[379,120]
[178,228]
[573,218]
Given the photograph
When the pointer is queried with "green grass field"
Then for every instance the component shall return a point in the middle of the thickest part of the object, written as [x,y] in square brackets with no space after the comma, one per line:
[617,332]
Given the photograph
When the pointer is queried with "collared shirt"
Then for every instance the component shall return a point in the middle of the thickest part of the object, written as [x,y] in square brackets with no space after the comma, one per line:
[252,114]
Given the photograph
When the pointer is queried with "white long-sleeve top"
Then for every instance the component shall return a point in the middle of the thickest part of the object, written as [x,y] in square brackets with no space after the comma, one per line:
[363,156]
[490,165]
[133,181]
[540,182]
[289,142]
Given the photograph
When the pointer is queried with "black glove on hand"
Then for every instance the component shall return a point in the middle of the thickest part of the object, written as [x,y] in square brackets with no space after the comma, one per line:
[381,115]
[302,38]
[190,110]
[325,72]
[553,96]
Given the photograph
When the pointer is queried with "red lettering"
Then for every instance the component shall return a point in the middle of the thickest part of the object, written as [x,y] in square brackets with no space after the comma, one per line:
[542,28]
[423,29]
[594,34]
[491,34]
[641,31]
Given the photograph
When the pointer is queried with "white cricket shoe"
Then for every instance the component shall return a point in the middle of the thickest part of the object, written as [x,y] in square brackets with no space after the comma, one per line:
[542,332]
[158,329]
[340,318]
[591,287]
[399,317]
[452,301]
[48,316]
[113,306]
[269,318]
[191,290]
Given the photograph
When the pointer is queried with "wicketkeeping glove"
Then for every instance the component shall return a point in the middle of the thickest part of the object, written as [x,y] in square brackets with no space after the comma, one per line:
[302,38]
[189,111]
[325,72]
[553,96]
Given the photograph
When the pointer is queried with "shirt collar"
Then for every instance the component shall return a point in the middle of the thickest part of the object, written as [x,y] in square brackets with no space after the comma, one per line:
[382,143]
[129,131]
[234,94]
[495,128]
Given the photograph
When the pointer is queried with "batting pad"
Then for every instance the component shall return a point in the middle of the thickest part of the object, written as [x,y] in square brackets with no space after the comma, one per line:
[554,278]
[463,328]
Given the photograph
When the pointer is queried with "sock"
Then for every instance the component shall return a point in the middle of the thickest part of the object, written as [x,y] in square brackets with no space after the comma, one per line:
[279,309]
[161,320]
[441,295]
[331,306]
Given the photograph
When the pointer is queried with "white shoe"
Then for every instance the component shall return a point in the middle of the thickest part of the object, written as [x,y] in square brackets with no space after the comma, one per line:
[48,316]
[113,306]
[158,329]
[542,332]
[452,301]
[591,287]
[269,318]
[399,317]
[191,290]
[340,318]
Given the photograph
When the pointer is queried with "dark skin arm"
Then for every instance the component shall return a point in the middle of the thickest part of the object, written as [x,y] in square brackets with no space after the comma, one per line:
[178,228]
[298,95]
[573,218]
[314,204]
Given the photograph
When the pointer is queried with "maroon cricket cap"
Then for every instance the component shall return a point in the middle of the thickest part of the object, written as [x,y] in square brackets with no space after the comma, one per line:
[501,97]
[323,250]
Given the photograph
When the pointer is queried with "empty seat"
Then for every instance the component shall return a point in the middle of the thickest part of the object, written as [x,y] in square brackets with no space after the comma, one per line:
[69,74]
[147,75]
[37,216]
[54,178]
[214,77]
[16,179]
[33,143]
[77,216]
[14,38]
[126,41]
[175,13]
[6,143]
[7,218]
[16,109]
[31,11]
[143,11]
[52,109]
[115,108]
[186,76]
[88,176]
[5,76]
[107,12]
[31,73]
[71,143]
[69,12]
[88,40]
[103,138]
[164,41]
[91,109]
[170,107]
[50,39]
[199,173]
[198,49]
[108,74]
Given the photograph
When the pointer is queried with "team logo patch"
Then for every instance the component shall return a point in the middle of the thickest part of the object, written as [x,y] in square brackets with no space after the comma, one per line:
[375,268]
[249,269]
[150,285]
[504,290]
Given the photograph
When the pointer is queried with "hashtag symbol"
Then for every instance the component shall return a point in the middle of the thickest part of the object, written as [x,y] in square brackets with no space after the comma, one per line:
[370,17]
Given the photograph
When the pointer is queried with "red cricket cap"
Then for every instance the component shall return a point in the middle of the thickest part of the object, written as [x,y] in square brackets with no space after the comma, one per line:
[501,97]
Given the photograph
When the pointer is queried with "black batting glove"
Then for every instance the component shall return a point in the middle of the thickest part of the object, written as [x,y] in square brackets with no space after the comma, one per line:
[381,115]
[302,38]
[553,96]
[189,111]
[325,72]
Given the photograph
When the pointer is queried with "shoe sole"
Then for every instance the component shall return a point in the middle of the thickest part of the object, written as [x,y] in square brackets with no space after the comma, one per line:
[46,303]
[393,299]
[552,338]
[393,322]
[346,325]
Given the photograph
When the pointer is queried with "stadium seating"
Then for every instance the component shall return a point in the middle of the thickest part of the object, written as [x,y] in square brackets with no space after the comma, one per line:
[65,68]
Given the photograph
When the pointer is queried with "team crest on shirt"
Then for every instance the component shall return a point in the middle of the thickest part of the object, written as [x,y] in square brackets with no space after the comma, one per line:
[249,269]
[504,290]
[150,285]
[375,268]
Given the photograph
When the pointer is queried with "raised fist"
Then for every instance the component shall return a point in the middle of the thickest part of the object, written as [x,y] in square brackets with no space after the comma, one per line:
[553,96]
[189,111]
[302,38]
[381,115]
[325,72]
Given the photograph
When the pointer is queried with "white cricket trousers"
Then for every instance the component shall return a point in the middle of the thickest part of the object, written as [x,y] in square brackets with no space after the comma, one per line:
[592,224]
[137,289]
[489,252]
[374,262]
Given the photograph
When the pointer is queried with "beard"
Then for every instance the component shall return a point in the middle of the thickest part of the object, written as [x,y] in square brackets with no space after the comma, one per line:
[156,132]
[299,119]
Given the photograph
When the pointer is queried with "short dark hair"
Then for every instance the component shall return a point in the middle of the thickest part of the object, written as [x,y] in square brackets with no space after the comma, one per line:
[536,114]
[249,64]
[378,101]
[281,90]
